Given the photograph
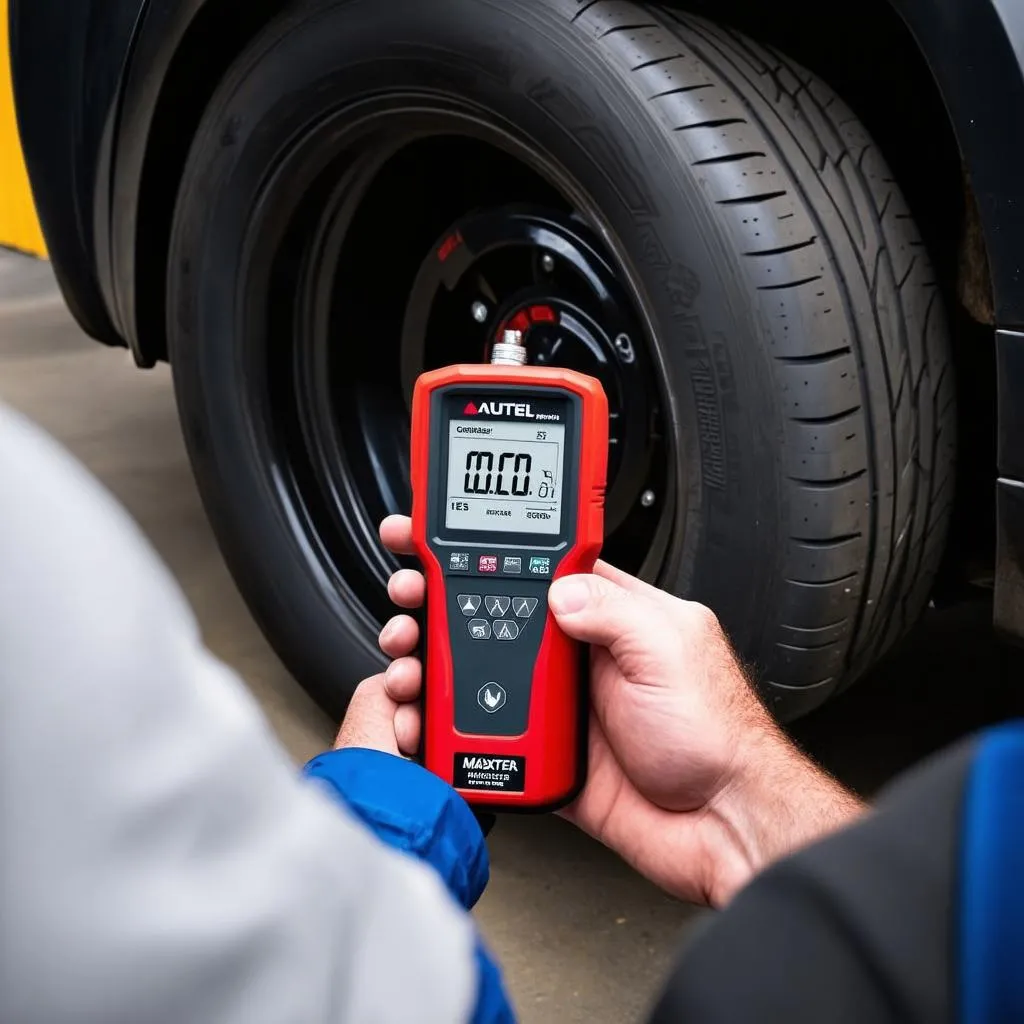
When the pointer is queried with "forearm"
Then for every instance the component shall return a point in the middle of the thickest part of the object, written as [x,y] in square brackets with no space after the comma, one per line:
[777,802]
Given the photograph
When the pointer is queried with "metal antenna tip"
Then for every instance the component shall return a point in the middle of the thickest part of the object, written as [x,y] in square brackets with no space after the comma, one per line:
[510,351]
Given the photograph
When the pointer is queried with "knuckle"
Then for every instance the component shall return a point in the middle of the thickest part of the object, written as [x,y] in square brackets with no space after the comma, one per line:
[368,688]
[701,618]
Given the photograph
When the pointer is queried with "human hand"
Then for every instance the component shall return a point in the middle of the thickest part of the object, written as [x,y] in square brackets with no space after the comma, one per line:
[689,779]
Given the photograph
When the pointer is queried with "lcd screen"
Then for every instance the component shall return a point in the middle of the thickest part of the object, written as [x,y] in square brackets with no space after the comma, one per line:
[504,477]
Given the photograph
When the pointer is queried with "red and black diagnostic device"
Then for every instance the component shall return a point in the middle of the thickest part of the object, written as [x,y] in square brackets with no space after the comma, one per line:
[508,473]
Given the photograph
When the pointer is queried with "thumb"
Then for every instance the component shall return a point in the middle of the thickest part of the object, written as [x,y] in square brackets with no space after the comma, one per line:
[370,719]
[597,611]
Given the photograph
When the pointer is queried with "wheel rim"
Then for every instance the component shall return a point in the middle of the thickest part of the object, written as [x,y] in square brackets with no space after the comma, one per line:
[359,302]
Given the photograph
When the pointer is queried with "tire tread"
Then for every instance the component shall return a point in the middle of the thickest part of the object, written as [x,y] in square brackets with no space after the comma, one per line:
[869,447]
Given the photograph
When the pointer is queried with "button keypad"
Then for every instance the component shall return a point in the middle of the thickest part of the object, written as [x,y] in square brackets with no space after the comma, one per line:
[507,615]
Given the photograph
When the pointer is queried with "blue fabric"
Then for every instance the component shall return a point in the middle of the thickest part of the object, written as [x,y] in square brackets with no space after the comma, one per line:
[413,810]
[992,882]
[492,1005]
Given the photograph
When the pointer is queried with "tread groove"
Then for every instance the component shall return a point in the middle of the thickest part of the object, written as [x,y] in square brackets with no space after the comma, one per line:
[835,417]
[654,63]
[825,583]
[824,545]
[788,284]
[761,197]
[720,122]
[783,248]
[625,28]
[583,10]
[821,357]
[681,89]
[808,647]
[828,484]
[729,158]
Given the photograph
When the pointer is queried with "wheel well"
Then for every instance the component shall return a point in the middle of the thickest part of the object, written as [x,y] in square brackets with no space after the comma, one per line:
[215,38]
[893,93]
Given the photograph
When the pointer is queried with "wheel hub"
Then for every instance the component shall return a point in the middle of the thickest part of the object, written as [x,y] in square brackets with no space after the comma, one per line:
[541,274]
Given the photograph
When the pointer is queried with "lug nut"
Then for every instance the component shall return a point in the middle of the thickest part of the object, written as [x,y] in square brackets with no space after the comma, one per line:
[624,347]
[479,311]
[647,499]
[547,263]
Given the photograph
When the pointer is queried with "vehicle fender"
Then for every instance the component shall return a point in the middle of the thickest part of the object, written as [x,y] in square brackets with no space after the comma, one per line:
[68,63]
[975,49]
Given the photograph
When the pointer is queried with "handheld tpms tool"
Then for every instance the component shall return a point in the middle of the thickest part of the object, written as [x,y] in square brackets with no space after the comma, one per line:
[508,474]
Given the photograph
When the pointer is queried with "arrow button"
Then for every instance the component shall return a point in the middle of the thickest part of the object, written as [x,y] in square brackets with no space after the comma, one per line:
[505,629]
[524,607]
[469,604]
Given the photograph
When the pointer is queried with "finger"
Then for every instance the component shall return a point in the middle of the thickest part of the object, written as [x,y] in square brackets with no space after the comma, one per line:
[407,588]
[597,611]
[370,719]
[676,607]
[630,583]
[396,534]
[399,636]
[403,680]
[408,723]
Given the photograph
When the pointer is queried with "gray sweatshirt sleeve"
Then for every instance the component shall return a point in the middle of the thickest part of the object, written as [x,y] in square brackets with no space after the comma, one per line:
[160,859]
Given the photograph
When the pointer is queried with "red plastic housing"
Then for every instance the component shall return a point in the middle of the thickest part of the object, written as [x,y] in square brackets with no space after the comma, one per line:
[554,743]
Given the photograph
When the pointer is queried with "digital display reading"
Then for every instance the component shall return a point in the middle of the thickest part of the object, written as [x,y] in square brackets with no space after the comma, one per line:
[504,477]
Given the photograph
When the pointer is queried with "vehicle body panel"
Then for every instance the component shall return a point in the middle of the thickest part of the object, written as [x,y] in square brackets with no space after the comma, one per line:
[67,106]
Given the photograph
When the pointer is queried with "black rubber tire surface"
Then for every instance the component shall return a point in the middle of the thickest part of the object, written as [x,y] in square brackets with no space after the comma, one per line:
[790,302]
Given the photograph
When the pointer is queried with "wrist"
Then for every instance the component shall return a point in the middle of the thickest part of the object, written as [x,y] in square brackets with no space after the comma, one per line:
[776,801]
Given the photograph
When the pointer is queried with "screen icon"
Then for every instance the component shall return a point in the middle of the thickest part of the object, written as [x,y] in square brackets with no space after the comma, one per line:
[458,561]
[540,566]
[513,565]
[487,563]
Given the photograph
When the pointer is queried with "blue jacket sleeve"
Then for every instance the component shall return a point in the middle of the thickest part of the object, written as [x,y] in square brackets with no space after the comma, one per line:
[412,810]
[992,881]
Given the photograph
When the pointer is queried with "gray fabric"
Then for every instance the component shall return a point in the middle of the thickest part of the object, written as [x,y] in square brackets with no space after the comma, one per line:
[160,860]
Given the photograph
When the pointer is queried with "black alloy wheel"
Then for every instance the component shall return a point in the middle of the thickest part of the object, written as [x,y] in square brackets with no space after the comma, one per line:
[374,283]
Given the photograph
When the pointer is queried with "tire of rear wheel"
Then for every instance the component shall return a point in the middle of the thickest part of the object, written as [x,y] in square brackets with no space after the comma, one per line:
[787,294]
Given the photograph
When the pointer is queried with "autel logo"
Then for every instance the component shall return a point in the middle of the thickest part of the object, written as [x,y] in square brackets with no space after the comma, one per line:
[521,410]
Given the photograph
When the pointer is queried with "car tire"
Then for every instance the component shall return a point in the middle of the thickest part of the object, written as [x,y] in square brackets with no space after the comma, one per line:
[789,309]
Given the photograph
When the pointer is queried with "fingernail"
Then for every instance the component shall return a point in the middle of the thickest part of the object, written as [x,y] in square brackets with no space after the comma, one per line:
[568,596]
[387,631]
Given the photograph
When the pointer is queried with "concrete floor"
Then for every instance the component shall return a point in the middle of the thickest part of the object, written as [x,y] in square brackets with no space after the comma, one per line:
[580,936]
